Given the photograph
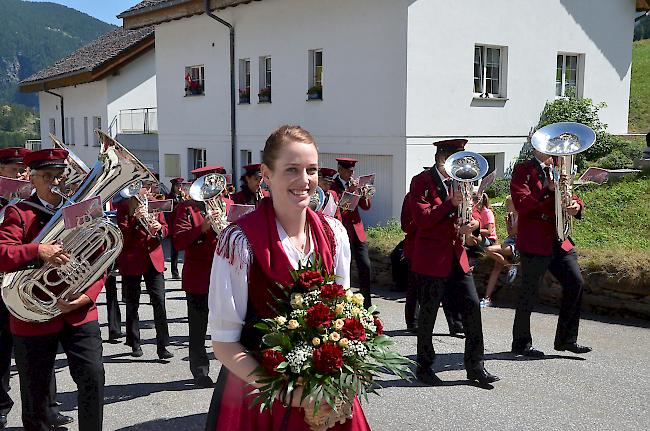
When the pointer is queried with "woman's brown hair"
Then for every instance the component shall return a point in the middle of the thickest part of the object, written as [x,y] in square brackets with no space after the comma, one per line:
[282,136]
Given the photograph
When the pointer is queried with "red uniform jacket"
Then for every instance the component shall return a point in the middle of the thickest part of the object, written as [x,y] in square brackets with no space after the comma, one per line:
[199,247]
[535,204]
[352,219]
[21,225]
[437,242]
[245,197]
[408,227]
[140,250]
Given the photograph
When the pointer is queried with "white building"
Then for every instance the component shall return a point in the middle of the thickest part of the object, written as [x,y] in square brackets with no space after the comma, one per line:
[109,84]
[396,76]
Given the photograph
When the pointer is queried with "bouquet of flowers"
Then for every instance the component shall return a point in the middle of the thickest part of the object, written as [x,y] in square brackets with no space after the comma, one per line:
[325,341]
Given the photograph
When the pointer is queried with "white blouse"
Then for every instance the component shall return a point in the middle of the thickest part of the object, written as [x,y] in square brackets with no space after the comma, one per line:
[228,297]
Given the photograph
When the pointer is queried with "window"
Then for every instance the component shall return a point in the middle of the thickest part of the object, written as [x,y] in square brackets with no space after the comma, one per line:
[567,75]
[52,126]
[315,89]
[265,80]
[97,124]
[71,132]
[86,131]
[196,158]
[172,165]
[489,71]
[246,157]
[194,81]
[245,81]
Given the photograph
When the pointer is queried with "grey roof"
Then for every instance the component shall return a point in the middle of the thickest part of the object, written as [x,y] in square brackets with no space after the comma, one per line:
[97,53]
[148,4]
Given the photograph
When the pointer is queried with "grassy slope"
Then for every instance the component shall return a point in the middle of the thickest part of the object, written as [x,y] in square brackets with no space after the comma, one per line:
[639,120]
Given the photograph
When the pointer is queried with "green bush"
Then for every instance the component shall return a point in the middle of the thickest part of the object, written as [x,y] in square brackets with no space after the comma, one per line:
[500,187]
[615,160]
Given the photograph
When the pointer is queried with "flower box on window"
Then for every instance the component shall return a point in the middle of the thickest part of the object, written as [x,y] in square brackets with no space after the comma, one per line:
[244,95]
[315,93]
[265,95]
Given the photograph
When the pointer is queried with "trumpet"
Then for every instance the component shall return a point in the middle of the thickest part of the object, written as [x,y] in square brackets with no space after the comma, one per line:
[208,189]
[133,191]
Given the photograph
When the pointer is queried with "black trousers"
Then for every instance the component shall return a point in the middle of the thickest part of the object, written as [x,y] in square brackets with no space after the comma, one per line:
[113,307]
[35,361]
[362,260]
[460,291]
[6,346]
[174,258]
[564,267]
[197,314]
[155,284]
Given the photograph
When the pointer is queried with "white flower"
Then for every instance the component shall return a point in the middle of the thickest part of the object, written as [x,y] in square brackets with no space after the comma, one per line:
[293,324]
[297,300]
[299,356]
[281,320]
[357,298]
[334,336]
[356,347]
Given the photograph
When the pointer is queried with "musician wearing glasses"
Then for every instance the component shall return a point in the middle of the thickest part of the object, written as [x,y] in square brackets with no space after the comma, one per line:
[76,329]
[533,193]
[193,233]
[142,257]
[344,182]
[440,265]
[251,192]
[12,166]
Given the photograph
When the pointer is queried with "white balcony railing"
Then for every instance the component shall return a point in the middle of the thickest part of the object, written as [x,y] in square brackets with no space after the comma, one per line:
[138,121]
[33,144]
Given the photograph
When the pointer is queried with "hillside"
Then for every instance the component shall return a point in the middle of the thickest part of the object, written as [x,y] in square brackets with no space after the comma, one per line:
[639,120]
[35,35]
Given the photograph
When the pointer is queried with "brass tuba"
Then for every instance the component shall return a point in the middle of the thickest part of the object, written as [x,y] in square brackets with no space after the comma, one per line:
[133,191]
[464,168]
[32,294]
[564,141]
[208,189]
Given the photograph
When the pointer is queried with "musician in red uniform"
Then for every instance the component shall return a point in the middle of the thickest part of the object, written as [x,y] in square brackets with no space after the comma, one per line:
[354,225]
[194,234]
[76,329]
[533,193]
[441,267]
[177,195]
[251,186]
[325,181]
[142,257]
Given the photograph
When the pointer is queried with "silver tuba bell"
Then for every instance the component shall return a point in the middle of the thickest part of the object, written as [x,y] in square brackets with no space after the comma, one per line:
[133,191]
[564,141]
[209,189]
[465,167]
[317,199]
[31,295]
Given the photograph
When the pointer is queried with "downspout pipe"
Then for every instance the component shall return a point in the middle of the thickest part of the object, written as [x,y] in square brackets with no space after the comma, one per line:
[233,94]
[62,114]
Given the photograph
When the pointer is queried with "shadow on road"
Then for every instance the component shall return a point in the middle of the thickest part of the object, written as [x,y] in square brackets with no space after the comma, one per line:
[186,423]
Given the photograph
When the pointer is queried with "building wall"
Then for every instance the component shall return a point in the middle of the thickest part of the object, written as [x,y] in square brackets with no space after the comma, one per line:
[363,111]
[79,101]
[441,39]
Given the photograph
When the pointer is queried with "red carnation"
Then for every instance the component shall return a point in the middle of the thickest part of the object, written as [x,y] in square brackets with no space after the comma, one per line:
[309,279]
[331,291]
[271,359]
[328,358]
[319,315]
[353,330]
[380,326]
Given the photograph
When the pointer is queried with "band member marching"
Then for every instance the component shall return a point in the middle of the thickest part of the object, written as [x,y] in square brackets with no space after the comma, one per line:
[251,192]
[532,189]
[354,224]
[325,180]
[142,257]
[176,194]
[441,267]
[193,233]
[76,329]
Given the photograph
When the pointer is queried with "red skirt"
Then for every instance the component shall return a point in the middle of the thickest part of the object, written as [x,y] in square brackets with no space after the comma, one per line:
[231,410]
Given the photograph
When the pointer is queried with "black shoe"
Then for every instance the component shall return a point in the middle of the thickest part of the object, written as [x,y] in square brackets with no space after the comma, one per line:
[428,377]
[413,329]
[3,421]
[61,420]
[531,352]
[481,376]
[175,276]
[113,338]
[203,381]
[457,330]
[165,354]
[137,351]
[572,347]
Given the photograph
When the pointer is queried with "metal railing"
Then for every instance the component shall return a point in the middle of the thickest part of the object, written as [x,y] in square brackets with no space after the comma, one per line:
[138,120]
[33,144]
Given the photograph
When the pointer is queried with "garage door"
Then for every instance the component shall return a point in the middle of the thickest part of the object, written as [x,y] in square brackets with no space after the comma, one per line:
[382,166]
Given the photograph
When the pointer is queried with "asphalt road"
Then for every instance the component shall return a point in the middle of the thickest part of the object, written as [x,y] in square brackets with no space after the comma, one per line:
[607,389]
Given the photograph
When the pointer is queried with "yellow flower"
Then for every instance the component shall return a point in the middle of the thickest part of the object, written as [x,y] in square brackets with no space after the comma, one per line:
[297,300]
[356,311]
[334,336]
[293,324]
[357,298]
[338,324]
[325,338]
[315,341]
[349,294]
[281,320]
[339,308]
[344,342]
